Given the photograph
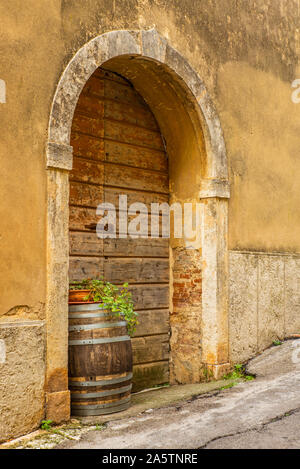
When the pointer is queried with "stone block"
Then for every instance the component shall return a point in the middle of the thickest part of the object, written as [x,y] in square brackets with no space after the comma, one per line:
[270,300]
[58,406]
[292,295]
[242,306]
[154,45]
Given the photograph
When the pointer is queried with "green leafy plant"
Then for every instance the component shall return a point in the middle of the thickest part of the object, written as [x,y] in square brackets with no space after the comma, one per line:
[238,373]
[99,427]
[228,386]
[277,342]
[82,285]
[118,300]
[207,374]
[46,424]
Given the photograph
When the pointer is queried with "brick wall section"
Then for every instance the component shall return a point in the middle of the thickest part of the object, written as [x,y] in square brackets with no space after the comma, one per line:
[185,318]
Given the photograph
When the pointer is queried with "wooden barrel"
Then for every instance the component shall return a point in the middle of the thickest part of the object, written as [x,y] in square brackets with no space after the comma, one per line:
[100,361]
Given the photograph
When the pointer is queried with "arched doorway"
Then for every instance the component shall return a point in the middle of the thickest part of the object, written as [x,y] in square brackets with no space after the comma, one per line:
[198,174]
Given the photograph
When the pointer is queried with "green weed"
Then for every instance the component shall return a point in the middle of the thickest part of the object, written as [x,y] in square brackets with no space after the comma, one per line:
[238,373]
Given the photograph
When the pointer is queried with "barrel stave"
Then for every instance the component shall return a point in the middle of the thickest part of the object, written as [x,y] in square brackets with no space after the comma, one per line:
[89,361]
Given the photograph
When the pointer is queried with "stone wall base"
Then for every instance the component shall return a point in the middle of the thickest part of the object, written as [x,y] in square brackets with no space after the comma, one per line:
[22,377]
[264,301]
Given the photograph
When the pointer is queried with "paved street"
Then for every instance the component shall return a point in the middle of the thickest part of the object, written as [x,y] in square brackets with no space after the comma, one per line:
[263,413]
[282,433]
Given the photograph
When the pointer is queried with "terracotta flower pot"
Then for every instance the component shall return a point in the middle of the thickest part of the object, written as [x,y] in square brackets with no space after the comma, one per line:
[76,297]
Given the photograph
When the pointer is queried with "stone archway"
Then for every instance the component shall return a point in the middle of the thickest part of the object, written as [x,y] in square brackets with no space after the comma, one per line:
[213,194]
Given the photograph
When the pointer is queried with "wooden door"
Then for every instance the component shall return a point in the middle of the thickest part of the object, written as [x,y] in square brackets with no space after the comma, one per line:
[118,149]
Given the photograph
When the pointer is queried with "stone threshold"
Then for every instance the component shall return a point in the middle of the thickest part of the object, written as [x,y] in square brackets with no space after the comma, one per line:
[151,399]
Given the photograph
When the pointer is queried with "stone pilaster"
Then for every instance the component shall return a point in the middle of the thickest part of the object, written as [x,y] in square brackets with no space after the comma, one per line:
[215,338]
